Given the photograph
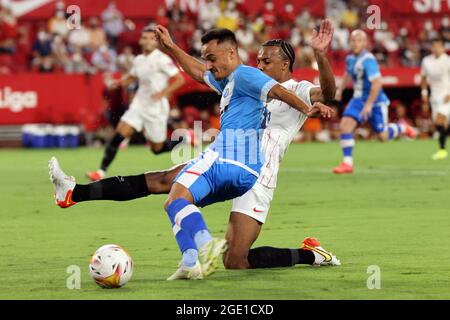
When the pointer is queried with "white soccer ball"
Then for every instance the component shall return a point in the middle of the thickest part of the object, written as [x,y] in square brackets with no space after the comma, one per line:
[111,266]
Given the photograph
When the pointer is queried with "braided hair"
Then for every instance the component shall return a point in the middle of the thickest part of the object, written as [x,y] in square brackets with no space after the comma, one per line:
[287,51]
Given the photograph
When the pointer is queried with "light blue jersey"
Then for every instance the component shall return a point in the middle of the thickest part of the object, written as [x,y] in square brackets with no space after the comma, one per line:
[232,163]
[364,69]
[243,114]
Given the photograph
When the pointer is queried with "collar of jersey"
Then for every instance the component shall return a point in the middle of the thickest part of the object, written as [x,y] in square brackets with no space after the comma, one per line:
[231,76]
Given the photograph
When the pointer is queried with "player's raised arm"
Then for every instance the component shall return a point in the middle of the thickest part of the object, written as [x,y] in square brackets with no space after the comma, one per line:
[190,65]
[280,93]
[320,43]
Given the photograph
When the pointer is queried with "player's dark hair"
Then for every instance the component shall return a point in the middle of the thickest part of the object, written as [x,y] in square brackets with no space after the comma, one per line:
[438,39]
[287,51]
[221,35]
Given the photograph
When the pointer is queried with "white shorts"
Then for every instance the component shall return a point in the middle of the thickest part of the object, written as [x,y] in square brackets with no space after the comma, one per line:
[438,105]
[255,202]
[152,119]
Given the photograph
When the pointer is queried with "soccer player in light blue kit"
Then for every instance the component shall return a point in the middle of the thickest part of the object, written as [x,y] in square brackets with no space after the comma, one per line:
[231,165]
[369,102]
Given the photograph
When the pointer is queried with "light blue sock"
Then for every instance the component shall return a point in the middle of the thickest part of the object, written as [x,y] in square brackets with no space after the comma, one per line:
[202,237]
[190,257]
[394,130]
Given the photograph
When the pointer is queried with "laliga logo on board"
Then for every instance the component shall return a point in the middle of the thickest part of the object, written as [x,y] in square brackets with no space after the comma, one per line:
[16,101]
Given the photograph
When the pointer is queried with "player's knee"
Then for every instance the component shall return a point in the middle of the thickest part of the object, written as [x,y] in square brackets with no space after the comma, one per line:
[345,128]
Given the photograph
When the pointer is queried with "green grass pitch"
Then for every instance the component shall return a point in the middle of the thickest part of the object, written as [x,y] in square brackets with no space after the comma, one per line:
[394,213]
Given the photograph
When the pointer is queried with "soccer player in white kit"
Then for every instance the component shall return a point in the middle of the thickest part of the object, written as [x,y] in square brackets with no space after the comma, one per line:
[249,212]
[158,78]
[436,73]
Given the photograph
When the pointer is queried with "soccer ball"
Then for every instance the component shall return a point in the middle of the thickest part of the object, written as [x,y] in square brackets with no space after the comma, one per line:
[111,266]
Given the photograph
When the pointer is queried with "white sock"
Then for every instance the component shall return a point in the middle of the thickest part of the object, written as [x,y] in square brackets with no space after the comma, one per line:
[348,160]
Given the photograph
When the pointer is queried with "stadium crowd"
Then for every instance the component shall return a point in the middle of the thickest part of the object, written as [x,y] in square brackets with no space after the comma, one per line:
[109,43]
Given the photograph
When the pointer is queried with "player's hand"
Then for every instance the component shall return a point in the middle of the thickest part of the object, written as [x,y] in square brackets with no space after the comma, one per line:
[165,41]
[112,84]
[365,113]
[158,96]
[447,99]
[321,40]
[319,108]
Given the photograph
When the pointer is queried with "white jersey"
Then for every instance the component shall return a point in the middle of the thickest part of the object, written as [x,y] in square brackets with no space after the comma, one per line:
[437,72]
[153,72]
[284,124]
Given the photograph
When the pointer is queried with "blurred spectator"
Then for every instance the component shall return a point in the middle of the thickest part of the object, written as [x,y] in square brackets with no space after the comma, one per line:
[112,22]
[59,51]
[8,30]
[161,17]
[288,14]
[97,35]
[125,60]
[410,54]
[269,15]
[341,38]
[77,63]
[174,11]
[57,24]
[229,18]
[23,50]
[104,59]
[79,38]
[42,52]
[208,14]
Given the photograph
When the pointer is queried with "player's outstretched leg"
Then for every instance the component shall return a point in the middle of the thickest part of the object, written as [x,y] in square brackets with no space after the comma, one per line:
[402,128]
[119,188]
[310,252]
[62,183]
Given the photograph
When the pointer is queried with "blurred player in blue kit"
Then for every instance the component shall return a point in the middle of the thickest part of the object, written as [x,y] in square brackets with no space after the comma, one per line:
[368,104]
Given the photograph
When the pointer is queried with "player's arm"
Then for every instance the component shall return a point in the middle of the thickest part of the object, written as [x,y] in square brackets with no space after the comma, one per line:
[320,43]
[342,85]
[327,90]
[280,93]
[124,81]
[190,65]
[175,83]
[424,90]
[375,88]
[127,79]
